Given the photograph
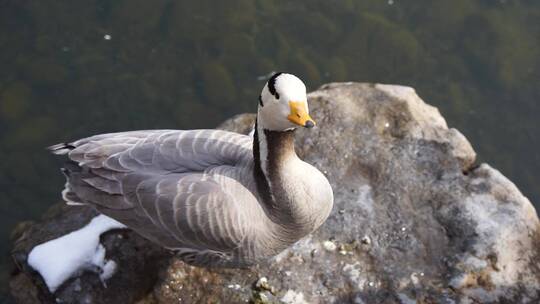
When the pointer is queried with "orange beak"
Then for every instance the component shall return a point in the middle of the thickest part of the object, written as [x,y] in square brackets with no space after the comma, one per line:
[299,114]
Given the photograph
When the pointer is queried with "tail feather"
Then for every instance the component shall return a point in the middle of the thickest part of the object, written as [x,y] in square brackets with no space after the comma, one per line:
[61,149]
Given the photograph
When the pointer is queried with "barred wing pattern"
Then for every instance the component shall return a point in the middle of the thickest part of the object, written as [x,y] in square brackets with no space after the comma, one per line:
[186,190]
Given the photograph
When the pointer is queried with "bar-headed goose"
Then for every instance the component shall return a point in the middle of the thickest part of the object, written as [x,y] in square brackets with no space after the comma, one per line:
[218,198]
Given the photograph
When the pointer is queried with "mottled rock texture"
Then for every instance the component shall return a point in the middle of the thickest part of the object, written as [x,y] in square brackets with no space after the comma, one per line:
[414,221]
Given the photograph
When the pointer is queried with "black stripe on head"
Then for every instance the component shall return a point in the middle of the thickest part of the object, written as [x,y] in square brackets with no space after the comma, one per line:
[272,84]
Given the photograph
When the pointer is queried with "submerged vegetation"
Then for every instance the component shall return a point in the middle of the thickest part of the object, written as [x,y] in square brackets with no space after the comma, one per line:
[72,69]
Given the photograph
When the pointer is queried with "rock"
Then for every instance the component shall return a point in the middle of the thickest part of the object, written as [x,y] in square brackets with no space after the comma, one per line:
[138,259]
[415,221]
[242,123]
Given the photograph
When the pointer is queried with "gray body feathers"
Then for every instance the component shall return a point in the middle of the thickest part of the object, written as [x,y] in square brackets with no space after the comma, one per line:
[193,191]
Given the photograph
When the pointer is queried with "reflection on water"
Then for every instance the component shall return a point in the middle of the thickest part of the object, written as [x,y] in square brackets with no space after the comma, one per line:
[76,68]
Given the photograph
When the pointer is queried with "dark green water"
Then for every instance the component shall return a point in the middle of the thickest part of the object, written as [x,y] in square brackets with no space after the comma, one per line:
[75,68]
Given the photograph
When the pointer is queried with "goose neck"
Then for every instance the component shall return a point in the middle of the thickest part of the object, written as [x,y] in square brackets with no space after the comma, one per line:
[275,161]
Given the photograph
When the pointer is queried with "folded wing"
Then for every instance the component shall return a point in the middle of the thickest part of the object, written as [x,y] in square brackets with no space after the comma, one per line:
[181,189]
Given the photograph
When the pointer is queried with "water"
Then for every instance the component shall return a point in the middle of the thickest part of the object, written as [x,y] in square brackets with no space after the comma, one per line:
[74,68]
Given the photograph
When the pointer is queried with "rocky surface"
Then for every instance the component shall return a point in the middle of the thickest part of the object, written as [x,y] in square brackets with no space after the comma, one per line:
[137,258]
[414,221]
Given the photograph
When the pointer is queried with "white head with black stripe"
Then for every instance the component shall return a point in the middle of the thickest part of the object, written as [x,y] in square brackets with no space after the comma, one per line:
[283,104]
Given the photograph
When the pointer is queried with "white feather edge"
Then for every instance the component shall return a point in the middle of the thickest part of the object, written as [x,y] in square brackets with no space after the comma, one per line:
[59,149]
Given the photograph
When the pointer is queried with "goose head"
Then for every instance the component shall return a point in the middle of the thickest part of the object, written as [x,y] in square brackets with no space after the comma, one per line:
[283,104]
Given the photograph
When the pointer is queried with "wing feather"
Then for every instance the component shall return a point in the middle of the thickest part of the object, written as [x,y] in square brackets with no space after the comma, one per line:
[182,189]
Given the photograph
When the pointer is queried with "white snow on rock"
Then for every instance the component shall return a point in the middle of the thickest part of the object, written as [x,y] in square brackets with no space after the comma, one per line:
[59,259]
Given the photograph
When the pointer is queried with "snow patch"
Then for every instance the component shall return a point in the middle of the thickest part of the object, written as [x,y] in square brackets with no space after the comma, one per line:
[59,259]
